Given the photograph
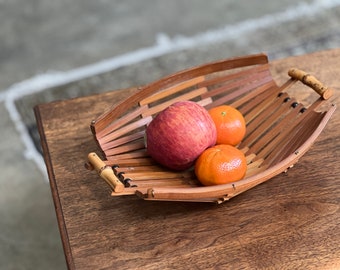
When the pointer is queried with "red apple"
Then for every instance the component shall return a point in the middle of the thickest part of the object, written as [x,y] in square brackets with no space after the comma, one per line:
[179,134]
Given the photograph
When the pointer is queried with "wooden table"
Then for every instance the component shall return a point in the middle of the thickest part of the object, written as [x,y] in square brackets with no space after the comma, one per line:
[290,222]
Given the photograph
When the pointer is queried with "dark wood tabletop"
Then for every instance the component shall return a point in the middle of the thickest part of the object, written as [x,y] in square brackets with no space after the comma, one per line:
[290,222]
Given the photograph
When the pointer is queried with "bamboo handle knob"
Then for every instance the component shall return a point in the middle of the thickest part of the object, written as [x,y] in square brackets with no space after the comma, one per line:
[311,81]
[105,172]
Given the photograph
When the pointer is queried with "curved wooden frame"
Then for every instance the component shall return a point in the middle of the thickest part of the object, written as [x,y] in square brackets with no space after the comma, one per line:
[279,128]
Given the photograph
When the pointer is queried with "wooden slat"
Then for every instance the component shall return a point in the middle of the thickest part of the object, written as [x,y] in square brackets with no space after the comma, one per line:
[258,103]
[216,79]
[123,140]
[294,138]
[187,96]
[265,111]
[125,148]
[129,155]
[266,119]
[151,175]
[114,124]
[125,129]
[271,134]
[139,161]
[271,90]
[281,140]
[172,90]
[140,168]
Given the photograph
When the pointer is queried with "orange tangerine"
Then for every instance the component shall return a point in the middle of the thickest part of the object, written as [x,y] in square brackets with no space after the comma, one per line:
[230,124]
[220,164]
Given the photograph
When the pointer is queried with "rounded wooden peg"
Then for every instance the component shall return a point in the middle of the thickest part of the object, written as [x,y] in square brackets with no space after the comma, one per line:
[311,81]
[105,172]
[96,161]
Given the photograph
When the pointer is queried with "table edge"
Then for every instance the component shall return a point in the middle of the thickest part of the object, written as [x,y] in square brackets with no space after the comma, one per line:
[54,189]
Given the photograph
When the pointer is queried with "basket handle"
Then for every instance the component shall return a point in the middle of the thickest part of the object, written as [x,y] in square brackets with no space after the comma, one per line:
[105,172]
[310,81]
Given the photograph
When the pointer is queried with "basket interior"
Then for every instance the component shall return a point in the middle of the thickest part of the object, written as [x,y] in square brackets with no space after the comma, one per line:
[277,124]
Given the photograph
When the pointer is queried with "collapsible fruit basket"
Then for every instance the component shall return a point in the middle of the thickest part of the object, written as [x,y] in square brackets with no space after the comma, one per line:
[279,128]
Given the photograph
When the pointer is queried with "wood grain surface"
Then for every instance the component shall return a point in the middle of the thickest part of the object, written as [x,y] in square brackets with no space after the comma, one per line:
[290,222]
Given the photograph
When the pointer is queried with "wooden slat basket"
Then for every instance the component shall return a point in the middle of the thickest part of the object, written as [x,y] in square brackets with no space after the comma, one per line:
[279,128]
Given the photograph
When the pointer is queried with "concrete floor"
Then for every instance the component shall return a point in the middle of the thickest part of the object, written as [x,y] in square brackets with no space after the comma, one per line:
[59,49]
